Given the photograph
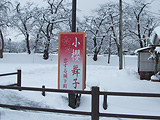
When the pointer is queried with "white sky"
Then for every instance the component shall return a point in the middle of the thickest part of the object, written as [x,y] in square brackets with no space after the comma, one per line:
[87,5]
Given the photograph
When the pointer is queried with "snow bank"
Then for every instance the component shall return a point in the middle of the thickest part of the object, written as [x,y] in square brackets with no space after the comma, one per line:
[37,72]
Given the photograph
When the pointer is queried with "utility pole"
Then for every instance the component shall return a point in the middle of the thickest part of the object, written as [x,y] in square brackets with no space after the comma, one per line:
[72,96]
[120,36]
[74,4]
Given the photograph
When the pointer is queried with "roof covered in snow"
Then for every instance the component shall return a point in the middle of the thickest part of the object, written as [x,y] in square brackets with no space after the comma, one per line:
[142,49]
[157,30]
[155,38]
[155,41]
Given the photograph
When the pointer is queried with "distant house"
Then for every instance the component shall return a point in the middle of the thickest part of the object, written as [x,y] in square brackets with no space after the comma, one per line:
[146,66]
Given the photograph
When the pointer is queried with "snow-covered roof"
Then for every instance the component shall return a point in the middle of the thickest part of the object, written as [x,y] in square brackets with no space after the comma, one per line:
[156,33]
[141,49]
[157,49]
[157,30]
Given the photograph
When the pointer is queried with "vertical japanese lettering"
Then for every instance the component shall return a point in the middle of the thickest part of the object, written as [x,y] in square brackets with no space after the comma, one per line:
[75,83]
[75,70]
[75,55]
[76,43]
[75,73]
[65,63]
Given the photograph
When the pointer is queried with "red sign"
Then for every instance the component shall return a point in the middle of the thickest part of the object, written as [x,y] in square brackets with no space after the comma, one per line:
[71,61]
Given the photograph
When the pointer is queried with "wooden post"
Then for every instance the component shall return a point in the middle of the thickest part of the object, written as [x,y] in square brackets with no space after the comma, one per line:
[105,102]
[95,103]
[72,100]
[43,91]
[19,78]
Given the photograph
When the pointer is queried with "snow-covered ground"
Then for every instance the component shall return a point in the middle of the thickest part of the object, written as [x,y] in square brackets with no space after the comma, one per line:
[37,72]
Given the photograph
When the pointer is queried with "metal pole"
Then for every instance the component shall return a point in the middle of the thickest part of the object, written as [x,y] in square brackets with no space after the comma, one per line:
[120,36]
[72,96]
[95,103]
[74,15]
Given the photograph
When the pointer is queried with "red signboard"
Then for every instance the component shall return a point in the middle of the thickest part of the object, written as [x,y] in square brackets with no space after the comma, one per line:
[71,61]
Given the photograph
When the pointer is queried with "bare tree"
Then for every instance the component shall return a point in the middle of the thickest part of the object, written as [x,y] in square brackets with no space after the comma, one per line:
[103,24]
[53,15]
[4,8]
[145,23]
[138,25]
[23,21]
[94,29]
[36,33]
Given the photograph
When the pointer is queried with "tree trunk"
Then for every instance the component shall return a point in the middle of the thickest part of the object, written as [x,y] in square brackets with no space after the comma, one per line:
[109,56]
[49,33]
[95,57]
[95,51]
[109,50]
[1,44]
[46,53]
[156,63]
[141,43]
[1,53]
[36,43]
[28,46]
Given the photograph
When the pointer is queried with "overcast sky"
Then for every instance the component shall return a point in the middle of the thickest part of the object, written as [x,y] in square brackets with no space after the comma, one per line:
[87,5]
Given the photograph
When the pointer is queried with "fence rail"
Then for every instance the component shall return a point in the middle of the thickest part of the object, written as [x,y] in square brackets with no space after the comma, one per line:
[44,109]
[8,74]
[95,93]
[18,73]
[130,94]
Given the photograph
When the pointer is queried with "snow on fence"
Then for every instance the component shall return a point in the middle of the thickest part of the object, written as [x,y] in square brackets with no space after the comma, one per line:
[18,73]
[95,93]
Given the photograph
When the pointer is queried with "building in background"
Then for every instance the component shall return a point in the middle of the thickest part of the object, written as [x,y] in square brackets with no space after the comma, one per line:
[148,58]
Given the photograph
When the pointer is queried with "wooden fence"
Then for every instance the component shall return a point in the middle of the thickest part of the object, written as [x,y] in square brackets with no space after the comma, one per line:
[18,73]
[95,93]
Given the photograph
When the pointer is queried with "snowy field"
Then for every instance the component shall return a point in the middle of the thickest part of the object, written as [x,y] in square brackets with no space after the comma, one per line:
[37,72]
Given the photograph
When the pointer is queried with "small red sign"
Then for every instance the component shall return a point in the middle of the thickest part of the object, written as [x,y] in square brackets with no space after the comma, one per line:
[71,61]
